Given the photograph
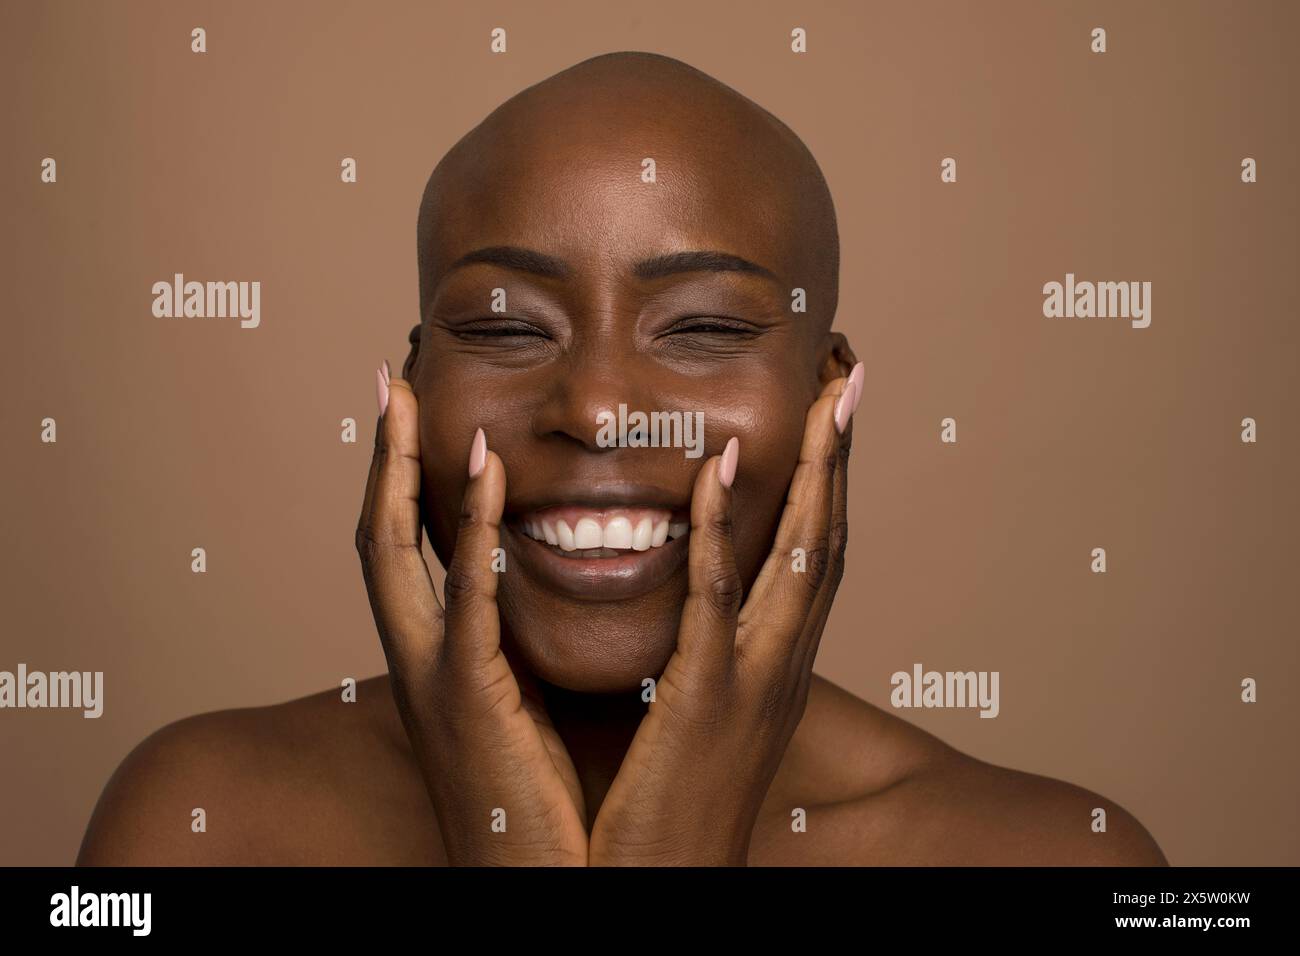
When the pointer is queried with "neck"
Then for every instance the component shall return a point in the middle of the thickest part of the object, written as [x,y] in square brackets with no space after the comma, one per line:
[597,730]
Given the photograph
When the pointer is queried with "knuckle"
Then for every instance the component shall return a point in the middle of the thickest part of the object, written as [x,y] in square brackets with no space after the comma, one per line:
[723,591]
[480,699]
[839,530]
[774,705]
[819,559]
[368,547]
[829,462]
[773,699]
[469,517]
[473,515]
[719,527]
[459,583]
[696,708]
[839,543]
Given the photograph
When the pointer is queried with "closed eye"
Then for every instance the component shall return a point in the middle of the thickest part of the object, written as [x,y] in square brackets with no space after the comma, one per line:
[496,328]
[713,325]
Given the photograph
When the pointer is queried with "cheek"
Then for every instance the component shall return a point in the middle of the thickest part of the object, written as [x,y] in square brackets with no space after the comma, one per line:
[456,398]
[454,403]
[446,433]
[770,434]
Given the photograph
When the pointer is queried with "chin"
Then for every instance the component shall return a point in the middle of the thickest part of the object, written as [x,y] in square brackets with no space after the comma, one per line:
[594,648]
[593,595]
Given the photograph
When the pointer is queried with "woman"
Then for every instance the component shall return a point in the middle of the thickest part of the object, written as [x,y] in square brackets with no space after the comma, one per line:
[621,672]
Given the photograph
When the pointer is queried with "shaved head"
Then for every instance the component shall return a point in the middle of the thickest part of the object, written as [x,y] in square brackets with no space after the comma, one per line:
[601,118]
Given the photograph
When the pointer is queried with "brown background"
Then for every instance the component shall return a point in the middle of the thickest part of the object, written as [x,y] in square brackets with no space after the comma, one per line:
[174,434]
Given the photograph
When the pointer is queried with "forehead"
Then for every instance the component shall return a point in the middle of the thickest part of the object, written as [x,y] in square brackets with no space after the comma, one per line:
[571,179]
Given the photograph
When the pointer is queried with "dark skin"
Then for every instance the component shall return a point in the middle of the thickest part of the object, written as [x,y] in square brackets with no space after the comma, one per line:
[512,693]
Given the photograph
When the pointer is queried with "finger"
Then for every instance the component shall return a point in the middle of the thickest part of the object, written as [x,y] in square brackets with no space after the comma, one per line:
[401,592]
[778,558]
[839,538]
[473,620]
[706,636]
[534,703]
[802,554]
[382,377]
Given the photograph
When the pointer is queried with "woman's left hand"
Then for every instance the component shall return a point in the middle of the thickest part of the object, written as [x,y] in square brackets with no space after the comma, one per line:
[695,777]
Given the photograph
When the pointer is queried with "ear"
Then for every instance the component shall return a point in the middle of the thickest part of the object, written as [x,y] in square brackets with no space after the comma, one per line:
[413,356]
[837,359]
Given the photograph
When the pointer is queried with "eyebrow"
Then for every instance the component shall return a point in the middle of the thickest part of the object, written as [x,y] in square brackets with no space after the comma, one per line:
[674,263]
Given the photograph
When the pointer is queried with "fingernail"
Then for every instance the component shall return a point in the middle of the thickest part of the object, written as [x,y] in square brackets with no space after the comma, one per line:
[388,375]
[381,390]
[727,467]
[856,376]
[844,407]
[477,453]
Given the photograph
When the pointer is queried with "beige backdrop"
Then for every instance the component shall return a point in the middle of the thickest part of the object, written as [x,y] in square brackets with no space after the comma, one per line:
[174,434]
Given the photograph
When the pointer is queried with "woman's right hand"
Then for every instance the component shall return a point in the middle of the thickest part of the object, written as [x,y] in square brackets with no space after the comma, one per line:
[482,738]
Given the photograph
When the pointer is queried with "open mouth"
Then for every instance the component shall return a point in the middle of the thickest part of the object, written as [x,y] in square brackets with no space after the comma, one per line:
[573,531]
[597,539]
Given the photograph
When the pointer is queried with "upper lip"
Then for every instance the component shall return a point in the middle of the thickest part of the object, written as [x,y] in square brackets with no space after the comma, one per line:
[596,494]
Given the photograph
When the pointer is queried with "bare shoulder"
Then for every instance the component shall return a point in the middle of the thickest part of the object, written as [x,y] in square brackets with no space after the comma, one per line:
[889,793]
[312,780]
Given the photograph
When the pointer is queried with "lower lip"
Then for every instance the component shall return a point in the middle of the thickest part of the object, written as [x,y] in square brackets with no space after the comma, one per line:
[629,575]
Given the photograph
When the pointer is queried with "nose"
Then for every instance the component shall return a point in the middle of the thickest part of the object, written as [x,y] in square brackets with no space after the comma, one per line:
[591,381]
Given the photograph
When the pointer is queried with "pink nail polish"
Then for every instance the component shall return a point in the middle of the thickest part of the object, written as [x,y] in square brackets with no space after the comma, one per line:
[388,375]
[381,391]
[477,454]
[727,467]
[856,378]
[844,407]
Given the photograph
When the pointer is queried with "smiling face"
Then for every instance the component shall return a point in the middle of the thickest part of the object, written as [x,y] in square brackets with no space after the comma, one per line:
[672,296]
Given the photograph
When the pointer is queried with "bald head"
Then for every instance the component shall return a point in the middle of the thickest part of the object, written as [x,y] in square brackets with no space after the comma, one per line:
[722,162]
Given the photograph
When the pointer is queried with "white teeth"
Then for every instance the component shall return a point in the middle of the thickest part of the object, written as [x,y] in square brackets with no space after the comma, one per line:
[587,534]
[618,533]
